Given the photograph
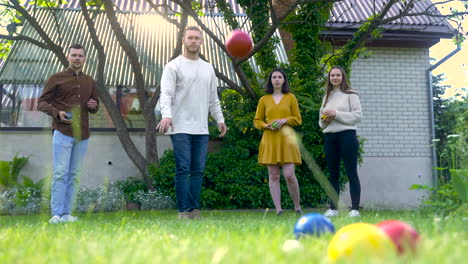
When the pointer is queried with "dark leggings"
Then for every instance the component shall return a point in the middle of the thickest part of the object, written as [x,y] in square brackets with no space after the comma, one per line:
[343,145]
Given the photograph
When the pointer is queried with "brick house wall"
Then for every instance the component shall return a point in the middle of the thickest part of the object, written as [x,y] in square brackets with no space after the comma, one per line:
[393,89]
[396,125]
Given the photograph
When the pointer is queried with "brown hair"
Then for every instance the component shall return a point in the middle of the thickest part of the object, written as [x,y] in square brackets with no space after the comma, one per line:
[76,46]
[193,28]
[269,85]
[344,87]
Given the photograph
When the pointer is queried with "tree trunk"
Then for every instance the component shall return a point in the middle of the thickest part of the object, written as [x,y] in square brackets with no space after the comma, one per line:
[122,132]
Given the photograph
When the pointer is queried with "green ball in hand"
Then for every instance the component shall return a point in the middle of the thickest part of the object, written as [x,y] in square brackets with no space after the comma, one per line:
[275,125]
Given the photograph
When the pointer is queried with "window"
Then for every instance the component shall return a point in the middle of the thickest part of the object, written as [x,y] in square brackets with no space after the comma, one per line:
[18,108]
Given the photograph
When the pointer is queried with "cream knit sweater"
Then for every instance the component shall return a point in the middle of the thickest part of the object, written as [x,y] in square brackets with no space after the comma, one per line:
[348,112]
[188,95]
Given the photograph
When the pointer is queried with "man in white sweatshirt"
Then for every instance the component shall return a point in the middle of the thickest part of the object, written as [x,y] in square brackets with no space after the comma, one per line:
[188,95]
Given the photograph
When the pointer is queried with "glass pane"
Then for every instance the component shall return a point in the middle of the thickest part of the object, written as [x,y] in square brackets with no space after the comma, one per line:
[19,107]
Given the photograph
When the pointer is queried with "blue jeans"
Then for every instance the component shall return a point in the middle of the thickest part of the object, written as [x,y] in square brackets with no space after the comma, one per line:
[68,154]
[190,156]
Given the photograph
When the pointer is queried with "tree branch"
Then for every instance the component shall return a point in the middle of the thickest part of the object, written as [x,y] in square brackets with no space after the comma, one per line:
[26,38]
[163,14]
[128,49]
[121,129]
[57,50]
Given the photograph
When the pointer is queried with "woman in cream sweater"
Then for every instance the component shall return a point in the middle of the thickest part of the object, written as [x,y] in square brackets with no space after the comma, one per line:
[339,114]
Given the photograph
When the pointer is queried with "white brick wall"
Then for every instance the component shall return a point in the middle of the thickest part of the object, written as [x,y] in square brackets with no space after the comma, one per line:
[394,96]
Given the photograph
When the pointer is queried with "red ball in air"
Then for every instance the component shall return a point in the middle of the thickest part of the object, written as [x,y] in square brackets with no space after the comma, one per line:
[239,44]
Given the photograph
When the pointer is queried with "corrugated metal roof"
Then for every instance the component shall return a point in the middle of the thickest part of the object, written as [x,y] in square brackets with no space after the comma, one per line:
[354,11]
[349,11]
[153,37]
[142,6]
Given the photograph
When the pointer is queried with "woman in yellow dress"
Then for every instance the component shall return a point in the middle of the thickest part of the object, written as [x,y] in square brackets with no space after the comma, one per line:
[276,113]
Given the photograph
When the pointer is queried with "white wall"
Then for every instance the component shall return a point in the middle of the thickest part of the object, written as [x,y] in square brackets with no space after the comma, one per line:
[391,83]
[104,147]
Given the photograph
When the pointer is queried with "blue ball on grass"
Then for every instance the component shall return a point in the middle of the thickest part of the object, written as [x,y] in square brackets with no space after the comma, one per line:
[313,224]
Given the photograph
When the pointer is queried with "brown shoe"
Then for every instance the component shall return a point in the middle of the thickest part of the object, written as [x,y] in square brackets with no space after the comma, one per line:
[183,215]
[195,214]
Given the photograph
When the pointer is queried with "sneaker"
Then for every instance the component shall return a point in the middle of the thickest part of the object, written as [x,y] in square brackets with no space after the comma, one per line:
[354,213]
[299,212]
[55,219]
[69,218]
[195,214]
[331,213]
[183,215]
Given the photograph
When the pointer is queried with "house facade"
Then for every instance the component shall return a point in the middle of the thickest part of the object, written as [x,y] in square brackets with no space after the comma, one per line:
[391,79]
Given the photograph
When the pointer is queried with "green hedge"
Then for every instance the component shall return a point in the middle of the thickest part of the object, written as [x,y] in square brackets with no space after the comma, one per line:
[232,182]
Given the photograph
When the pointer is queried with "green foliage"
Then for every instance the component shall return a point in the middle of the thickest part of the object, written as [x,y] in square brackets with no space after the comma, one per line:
[451,119]
[235,180]
[104,199]
[259,14]
[135,190]
[306,73]
[228,14]
[131,187]
[356,46]
[20,195]
[154,200]
[19,200]
[5,48]
[10,174]
[448,198]
[47,3]
[451,133]
[197,7]
[460,183]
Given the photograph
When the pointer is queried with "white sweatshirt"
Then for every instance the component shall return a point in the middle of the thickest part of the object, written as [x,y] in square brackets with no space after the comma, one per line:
[188,95]
[348,112]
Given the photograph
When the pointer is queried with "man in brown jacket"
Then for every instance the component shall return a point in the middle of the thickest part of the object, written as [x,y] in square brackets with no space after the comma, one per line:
[68,97]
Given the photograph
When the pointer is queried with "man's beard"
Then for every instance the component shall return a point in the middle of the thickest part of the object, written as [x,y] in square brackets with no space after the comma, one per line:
[192,51]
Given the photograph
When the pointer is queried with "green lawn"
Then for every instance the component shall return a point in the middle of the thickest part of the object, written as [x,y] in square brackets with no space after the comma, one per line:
[220,237]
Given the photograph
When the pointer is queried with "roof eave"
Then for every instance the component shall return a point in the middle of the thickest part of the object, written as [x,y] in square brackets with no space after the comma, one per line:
[407,30]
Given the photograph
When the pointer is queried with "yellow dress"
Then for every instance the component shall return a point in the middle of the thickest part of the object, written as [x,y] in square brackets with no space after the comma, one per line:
[278,146]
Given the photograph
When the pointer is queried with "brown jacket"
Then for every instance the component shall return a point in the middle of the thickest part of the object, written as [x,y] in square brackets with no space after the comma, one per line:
[69,92]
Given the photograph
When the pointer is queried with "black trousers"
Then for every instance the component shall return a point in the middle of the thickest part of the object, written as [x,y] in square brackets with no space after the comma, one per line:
[343,145]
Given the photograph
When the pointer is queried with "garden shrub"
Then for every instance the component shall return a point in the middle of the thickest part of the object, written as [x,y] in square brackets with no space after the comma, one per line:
[154,200]
[449,198]
[20,200]
[131,187]
[99,199]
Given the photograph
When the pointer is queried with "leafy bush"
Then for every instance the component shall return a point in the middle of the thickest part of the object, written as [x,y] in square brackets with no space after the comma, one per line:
[131,187]
[449,198]
[154,200]
[21,200]
[10,174]
[99,200]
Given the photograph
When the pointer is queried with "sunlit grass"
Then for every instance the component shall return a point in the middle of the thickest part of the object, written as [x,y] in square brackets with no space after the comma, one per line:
[220,237]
